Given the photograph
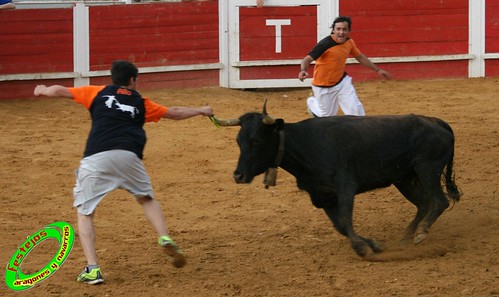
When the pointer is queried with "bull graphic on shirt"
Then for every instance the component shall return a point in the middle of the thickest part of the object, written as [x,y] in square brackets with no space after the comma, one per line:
[123,107]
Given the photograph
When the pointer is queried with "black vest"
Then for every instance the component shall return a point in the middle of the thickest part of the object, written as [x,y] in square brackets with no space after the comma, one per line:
[118,116]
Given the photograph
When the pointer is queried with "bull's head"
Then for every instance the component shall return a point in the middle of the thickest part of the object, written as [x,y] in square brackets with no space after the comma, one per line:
[258,141]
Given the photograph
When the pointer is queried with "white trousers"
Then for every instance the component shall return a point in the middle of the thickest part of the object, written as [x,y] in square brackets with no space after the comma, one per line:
[326,101]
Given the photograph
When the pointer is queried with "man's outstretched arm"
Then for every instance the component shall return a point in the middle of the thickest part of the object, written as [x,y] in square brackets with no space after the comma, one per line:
[180,112]
[52,91]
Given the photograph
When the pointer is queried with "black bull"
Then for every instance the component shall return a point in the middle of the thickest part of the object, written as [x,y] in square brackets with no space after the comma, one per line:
[335,158]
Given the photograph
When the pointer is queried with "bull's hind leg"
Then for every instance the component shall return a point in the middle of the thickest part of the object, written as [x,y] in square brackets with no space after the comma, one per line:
[341,216]
[433,199]
[414,192]
[437,204]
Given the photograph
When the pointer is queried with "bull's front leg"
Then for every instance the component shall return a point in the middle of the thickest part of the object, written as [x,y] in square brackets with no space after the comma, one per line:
[340,214]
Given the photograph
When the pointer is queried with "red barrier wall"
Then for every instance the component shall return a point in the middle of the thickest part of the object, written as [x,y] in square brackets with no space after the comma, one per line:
[186,33]
[257,40]
[410,28]
[492,36]
[154,34]
[36,41]
[380,29]
[149,35]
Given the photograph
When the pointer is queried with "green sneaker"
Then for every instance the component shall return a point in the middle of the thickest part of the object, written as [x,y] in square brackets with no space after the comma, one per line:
[172,250]
[91,277]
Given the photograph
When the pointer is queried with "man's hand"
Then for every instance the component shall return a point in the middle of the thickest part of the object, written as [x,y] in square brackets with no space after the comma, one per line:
[384,74]
[206,111]
[302,75]
[39,90]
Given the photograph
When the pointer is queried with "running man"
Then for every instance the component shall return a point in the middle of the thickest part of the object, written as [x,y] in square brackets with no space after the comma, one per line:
[331,85]
[113,155]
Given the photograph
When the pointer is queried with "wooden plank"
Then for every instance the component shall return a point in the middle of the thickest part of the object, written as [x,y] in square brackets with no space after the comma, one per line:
[492,21]
[427,35]
[22,89]
[34,15]
[26,44]
[292,48]
[172,40]
[59,59]
[420,70]
[176,30]
[157,44]
[184,79]
[414,5]
[491,31]
[492,45]
[102,62]
[163,58]
[270,72]
[413,49]
[34,64]
[275,12]
[408,12]
[160,14]
[151,20]
[440,21]
[492,68]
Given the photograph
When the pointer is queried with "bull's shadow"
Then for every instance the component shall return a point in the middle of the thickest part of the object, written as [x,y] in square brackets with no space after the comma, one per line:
[335,158]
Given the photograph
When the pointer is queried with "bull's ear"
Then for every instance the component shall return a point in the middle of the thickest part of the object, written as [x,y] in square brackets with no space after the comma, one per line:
[279,124]
[267,120]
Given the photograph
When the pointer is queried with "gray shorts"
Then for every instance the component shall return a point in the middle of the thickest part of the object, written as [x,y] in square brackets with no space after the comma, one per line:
[104,172]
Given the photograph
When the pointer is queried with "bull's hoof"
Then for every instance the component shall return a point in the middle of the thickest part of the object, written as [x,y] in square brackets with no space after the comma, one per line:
[376,246]
[367,248]
[418,238]
[408,239]
[365,252]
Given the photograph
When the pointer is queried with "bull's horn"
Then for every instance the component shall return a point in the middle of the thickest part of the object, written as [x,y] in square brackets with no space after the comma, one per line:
[227,122]
[267,120]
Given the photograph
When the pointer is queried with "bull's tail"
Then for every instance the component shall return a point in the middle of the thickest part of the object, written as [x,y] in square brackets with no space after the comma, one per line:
[450,184]
[452,191]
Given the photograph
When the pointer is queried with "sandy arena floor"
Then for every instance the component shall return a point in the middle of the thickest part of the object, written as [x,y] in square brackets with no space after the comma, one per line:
[244,240]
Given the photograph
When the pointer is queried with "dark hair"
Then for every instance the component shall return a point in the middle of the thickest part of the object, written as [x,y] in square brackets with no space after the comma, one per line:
[122,71]
[342,19]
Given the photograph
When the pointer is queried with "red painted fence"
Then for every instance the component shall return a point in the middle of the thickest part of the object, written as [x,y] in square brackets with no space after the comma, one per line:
[40,41]
[492,36]
[157,35]
[411,28]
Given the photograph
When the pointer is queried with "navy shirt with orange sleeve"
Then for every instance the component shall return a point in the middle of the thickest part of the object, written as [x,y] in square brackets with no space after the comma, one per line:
[118,116]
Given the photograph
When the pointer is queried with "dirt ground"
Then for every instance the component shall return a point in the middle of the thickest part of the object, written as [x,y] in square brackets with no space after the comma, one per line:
[245,240]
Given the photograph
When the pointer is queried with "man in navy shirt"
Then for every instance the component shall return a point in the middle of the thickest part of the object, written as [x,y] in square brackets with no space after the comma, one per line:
[113,155]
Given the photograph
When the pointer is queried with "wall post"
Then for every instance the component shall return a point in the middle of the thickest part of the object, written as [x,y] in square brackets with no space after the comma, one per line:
[476,38]
[81,46]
